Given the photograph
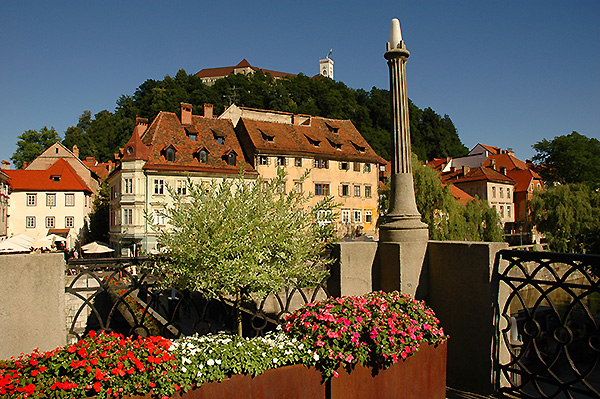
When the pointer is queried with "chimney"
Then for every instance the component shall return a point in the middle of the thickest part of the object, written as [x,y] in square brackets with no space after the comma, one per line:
[5,165]
[503,170]
[25,165]
[208,110]
[465,170]
[493,164]
[76,151]
[186,113]
[141,124]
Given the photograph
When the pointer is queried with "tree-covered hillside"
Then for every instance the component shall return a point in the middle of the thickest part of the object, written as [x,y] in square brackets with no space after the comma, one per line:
[102,134]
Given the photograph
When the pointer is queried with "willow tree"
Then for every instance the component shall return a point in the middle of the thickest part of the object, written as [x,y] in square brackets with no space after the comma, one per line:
[243,238]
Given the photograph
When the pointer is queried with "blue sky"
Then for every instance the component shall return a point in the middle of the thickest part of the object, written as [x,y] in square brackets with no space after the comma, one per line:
[509,73]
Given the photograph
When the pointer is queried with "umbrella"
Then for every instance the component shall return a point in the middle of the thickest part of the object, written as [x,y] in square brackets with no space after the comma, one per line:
[17,243]
[96,247]
[48,241]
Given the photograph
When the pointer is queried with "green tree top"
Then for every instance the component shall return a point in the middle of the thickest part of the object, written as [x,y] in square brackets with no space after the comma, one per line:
[572,158]
[32,143]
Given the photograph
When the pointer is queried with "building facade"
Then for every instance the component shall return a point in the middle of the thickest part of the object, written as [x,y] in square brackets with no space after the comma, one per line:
[52,200]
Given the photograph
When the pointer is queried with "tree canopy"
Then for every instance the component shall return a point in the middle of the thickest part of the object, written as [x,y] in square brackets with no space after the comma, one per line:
[571,158]
[102,134]
[32,143]
[569,217]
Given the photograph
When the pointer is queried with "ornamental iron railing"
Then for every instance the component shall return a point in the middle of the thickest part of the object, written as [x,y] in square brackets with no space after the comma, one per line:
[119,295]
[549,323]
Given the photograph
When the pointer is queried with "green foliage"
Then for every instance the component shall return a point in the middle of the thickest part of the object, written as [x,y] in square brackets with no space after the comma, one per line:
[103,134]
[99,217]
[32,143]
[569,216]
[242,237]
[447,219]
[569,159]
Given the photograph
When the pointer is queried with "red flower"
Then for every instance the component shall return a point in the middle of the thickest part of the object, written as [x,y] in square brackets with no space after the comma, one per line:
[97,386]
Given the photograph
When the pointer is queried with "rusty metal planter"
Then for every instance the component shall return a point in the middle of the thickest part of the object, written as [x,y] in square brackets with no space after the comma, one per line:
[422,375]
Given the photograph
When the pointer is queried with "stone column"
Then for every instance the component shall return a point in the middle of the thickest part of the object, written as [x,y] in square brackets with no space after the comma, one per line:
[403,237]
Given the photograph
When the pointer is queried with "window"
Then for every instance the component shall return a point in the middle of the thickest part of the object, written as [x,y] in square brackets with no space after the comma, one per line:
[193,136]
[203,158]
[170,154]
[181,187]
[69,222]
[357,166]
[321,164]
[501,212]
[368,217]
[367,168]
[344,190]
[356,190]
[31,199]
[159,186]
[220,140]
[50,222]
[508,214]
[231,159]
[281,161]
[501,192]
[298,187]
[508,193]
[159,218]
[357,216]
[321,188]
[69,199]
[127,216]
[50,200]
[324,217]
[344,165]
[128,183]
[30,222]
[368,191]
[493,192]
[298,162]
[345,215]
[263,160]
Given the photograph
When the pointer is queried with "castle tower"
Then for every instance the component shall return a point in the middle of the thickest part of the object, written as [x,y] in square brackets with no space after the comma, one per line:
[403,237]
[326,66]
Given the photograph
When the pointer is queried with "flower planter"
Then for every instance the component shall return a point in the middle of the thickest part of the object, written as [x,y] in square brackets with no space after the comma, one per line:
[422,375]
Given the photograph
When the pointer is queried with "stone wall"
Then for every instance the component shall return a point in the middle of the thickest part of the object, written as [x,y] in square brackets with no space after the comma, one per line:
[32,303]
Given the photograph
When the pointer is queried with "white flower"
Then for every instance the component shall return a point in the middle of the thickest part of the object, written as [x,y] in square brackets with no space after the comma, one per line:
[183,369]
[218,361]
[275,360]
[210,362]
[316,356]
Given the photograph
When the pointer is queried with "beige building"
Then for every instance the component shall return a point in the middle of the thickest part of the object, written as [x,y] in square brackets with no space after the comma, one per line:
[210,75]
[204,148]
[53,200]
[164,154]
[341,162]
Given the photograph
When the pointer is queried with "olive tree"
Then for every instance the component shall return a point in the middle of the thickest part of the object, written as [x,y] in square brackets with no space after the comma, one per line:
[239,237]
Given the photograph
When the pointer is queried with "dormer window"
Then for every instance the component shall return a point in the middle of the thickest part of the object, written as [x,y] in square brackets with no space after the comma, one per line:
[332,129]
[193,137]
[170,154]
[129,150]
[220,138]
[335,145]
[358,147]
[232,158]
[55,178]
[266,137]
[312,141]
[201,155]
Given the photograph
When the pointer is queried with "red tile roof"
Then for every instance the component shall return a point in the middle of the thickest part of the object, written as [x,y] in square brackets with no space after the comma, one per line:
[228,70]
[44,180]
[167,131]
[491,149]
[330,138]
[476,174]
[461,197]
